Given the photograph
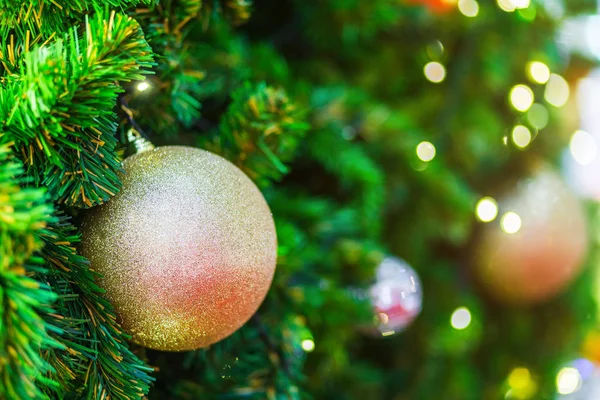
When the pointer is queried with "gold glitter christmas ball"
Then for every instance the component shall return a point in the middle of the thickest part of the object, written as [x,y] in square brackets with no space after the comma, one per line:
[536,246]
[187,249]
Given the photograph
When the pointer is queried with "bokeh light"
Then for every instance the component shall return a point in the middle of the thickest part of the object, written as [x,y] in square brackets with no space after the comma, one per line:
[486,209]
[538,72]
[143,86]
[521,97]
[468,8]
[521,136]
[568,380]
[521,3]
[519,378]
[557,91]
[461,318]
[583,146]
[510,223]
[308,345]
[506,5]
[538,116]
[426,151]
[435,72]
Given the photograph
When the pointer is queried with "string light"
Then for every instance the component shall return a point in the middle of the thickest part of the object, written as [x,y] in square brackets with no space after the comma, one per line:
[521,136]
[461,318]
[435,72]
[486,209]
[143,86]
[519,378]
[538,72]
[468,8]
[426,151]
[583,147]
[308,345]
[506,5]
[557,91]
[568,380]
[521,3]
[510,223]
[521,97]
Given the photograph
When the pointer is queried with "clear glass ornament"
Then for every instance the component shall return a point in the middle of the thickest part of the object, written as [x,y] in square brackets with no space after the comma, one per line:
[397,296]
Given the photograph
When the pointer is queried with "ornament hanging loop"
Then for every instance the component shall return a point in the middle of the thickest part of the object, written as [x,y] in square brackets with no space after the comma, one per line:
[137,143]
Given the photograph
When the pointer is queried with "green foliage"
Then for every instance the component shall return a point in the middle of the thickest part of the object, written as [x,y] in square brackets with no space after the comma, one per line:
[23,332]
[58,110]
[337,165]
[259,132]
[95,362]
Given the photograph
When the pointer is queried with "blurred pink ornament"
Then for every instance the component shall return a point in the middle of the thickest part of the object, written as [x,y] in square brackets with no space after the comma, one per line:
[537,246]
[396,296]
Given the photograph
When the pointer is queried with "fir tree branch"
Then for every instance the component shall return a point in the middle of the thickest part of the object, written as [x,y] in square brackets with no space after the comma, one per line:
[58,110]
[97,363]
[354,169]
[260,132]
[23,333]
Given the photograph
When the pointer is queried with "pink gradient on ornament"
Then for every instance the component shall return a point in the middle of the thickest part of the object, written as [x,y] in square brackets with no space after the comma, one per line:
[545,254]
[187,249]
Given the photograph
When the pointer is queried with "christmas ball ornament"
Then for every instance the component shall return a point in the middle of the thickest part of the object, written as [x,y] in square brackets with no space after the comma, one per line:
[396,296]
[186,250]
[538,244]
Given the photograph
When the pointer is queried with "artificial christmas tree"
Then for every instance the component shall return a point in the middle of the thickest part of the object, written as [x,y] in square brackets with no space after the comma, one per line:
[370,127]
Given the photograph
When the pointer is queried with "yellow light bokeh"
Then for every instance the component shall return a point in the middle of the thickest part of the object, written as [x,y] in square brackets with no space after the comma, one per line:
[521,97]
[468,8]
[568,381]
[521,3]
[486,209]
[583,147]
[143,86]
[434,72]
[521,136]
[461,318]
[510,222]
[506,5]
[538,72]
[519,378]
[426,151]
[557,91]
[308,345]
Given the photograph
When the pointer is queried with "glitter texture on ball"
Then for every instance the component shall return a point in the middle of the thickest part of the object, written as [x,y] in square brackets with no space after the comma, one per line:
[187,249]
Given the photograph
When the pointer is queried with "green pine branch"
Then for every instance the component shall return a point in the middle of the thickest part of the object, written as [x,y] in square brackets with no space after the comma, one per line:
[96,362]
[260,132]
[356,171]
[58,109]
[23,332]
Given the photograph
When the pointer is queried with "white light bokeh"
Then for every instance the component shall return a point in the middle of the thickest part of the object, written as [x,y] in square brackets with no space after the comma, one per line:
[426,151]
[521,136]
[143,86]
[434,72]
[521,97]
[568,380]
[557,91]
[510,223]
[461,318]
[538,72]
[468,8]
[583,147]
[486,209]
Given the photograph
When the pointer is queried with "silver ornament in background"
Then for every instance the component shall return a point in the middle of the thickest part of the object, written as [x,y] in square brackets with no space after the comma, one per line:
[396,295]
